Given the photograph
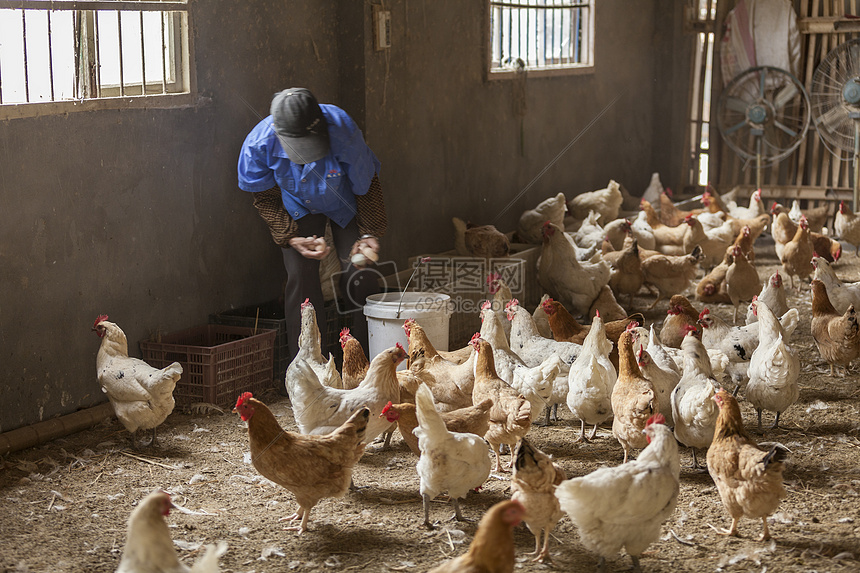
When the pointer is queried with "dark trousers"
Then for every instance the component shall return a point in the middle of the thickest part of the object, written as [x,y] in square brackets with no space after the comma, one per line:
[303,282]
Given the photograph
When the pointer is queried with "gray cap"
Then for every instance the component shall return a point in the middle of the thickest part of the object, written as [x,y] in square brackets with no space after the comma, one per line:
[300,125]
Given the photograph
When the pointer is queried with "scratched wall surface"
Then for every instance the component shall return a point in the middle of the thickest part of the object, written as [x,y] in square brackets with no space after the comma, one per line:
[136,213]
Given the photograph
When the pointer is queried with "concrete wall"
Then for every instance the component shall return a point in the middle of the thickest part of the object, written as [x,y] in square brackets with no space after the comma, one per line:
[136,213]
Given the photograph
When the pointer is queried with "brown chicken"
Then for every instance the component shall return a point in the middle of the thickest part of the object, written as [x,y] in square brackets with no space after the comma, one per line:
[533,484]
[712,288]
[651,216]
[681,314]
[486,241]
[815,216]
[748,477]
[492,549]
[447,394]
[671,275]
[633,399]
[355,363]
[828,249]
[606,305]
[422,353]
[837,336]
[470,420]
[757,225]
[566,328]
[797,255]
[742,280]
[744,240]
[510,416]
[670,215]
[625,277]
[784,229]
[312,467]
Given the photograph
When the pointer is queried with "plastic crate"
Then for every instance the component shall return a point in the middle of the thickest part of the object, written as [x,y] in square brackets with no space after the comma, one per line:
[271,317]
[218,362]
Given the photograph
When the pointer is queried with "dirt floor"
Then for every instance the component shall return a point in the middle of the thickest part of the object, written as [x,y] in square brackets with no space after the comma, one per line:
[65,503]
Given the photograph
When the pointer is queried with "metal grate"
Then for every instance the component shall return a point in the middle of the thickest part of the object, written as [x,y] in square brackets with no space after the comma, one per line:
[540,34]
[61,50]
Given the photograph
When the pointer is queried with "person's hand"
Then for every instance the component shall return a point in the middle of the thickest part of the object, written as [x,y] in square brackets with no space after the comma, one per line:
[364,251]
[310,247]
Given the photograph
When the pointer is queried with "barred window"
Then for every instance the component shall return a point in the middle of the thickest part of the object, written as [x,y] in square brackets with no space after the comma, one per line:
[73,51]
[541,35]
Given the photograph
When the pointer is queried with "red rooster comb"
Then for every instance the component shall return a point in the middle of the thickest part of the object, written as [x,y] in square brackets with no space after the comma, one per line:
[486,305]
[656,419]
[705,312]
[387,407]
[244,398]
[307,303]
[101,318]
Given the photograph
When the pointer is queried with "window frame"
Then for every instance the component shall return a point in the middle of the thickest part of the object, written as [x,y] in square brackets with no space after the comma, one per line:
[128,96]
[492,74]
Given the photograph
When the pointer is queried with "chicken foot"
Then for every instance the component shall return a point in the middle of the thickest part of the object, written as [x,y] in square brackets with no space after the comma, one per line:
[593,433]
[426,499]
[302,514]
[636,567]
[137,446]
[765,534]
[582,437]
[733,530]
[498,467]
[540,554]
[696,465]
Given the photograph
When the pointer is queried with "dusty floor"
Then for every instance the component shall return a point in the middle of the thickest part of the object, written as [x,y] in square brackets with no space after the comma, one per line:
[65,504]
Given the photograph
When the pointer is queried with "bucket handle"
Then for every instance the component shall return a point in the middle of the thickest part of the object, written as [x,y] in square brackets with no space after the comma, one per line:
[412,276]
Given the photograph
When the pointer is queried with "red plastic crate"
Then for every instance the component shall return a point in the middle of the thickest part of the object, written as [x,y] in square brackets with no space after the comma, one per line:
[218,362]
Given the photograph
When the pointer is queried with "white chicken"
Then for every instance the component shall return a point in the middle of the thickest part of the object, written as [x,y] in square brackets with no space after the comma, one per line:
[589,235]
[310,351]
[693,408]
[773,295]
[654,190]
[450,461]
[149,548]
[533,348]
[141,396]
[841,294]
[756,207]
[576,284]
[625,506]
[531,222]
[319,409]
[774,367]
[534,383]
[501,296]
[591,380]
[605,202]
[663,380]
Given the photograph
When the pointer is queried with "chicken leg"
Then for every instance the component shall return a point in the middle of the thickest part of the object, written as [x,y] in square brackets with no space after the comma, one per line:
[427,524]
[581,437]
[541,553]
[775,422]
[636,567]
[765,534]
[733,530]
[593,433]
[302,514]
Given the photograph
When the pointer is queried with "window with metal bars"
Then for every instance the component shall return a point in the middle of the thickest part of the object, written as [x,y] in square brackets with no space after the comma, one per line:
[541,35]
[69,50]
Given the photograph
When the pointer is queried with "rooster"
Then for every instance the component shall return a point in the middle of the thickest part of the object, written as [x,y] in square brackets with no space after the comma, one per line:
[311,467]
[141,396]
[450,461]
[533,484]
[149,548]
[625,506]
[748,477]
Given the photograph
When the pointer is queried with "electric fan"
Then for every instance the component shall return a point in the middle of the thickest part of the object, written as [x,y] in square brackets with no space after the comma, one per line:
[835,96]
[763,115]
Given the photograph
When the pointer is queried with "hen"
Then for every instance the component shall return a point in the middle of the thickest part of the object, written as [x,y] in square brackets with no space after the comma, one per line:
[310,351]
[510,416]
[492,549]
[756,207]
[575,283]
[748,477]
[694,412]
[837,336]
[782,230]
[607,306]
[847,226]
[533,484]
[841,294]
[141,396]
[797,254]
[662,379]
[742,280]
[469,420]
[589,236]
[530,225]
[591,380]
[633,399]
[149,548]
[540,319]
[674,240]
[625,276]
[680,315]
[479,240]
[773,295]
[421,350]
[625,506]
[447,394]
[774,367]
[355,363]
[501,296]
[671,275]
[319,409]
[311,467]
[712,288]
[449,461]
[816,216]
[670,214]
[605,202]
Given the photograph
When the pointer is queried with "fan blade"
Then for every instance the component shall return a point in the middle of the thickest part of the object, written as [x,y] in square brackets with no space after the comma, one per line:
[785,128]
[734,128]
[784,96]
[736,104]
[832,118]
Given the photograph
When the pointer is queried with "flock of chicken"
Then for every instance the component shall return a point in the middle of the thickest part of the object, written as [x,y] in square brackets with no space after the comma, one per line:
[659,389]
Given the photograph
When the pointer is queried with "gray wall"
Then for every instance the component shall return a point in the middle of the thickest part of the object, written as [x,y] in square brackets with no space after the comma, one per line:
[136,213]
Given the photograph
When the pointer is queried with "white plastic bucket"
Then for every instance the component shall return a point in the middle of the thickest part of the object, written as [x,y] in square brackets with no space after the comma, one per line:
[386,313]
